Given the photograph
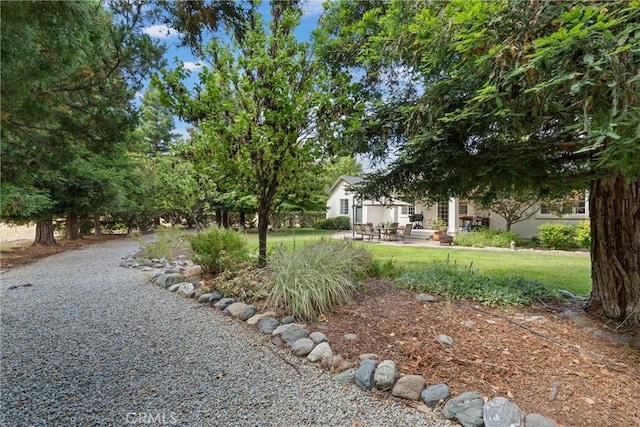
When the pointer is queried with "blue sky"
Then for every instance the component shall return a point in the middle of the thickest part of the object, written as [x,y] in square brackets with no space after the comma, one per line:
[312,10]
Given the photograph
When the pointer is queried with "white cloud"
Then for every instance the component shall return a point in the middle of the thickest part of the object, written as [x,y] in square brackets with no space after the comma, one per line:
[160,31]
[191,66]
[312,7]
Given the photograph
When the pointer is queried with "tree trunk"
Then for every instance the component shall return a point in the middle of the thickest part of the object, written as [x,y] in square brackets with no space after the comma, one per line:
[219,217]
[614,211]
[44,232]
[97,227]
[243,219]
[263,228]
[71,227]
[225,218]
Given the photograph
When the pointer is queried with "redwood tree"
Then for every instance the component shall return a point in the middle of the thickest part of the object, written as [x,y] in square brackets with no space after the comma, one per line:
[479,96]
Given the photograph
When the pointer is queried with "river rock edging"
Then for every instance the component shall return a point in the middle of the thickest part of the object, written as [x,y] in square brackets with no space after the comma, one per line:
[469,408]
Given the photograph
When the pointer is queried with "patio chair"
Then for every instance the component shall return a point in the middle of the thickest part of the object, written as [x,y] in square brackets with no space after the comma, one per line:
[406,232]
[391,233]
[370,232]
[358,230]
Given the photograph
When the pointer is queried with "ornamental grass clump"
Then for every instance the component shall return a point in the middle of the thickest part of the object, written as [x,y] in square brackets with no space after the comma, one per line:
[317,277]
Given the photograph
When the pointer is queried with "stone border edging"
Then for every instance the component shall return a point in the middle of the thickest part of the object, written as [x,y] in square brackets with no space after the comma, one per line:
[469,408]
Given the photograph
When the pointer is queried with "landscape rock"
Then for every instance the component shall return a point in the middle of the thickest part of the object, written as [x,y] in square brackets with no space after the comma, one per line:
[466,409]
[267,325]
[433,394]
[235,308]
[224,303]
[409,387]
[426,298]
[318,337]
[283,328]
[350,337]
[302,347]
[203,297]
[193,271]
[345,377]
[148,268]
[468,323]
[175,287]
[247,313]
[186,288]
[166,280]
[320,353]
[215,296]
[277,341]
[445,339]
[500,412]
[386,375]
[537,420]
[339,364]
[366,356]
[287,320]
[364,377]
[253,320]
[291,335]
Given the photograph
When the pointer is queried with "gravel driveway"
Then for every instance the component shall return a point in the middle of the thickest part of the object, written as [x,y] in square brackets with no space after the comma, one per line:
[91,343]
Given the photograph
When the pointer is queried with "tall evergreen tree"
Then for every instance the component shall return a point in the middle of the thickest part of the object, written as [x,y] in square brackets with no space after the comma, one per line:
[482,96]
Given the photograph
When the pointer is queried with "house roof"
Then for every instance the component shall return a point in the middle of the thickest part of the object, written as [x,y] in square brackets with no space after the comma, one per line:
[351,180]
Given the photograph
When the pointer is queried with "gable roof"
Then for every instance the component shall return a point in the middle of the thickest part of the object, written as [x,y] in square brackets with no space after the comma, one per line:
[350,180]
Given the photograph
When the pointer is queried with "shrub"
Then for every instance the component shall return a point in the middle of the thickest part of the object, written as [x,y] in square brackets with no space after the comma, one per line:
[464,282]
[335,223]
[317,277]
[557,236]
[487,237]
[247,283]
[384,269]
[218,249]
[583,235]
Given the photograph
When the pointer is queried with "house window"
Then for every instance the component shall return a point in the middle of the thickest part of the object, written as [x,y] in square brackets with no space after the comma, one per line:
[463,209]
[344,206]
[578,207]
[407,210]
[443,211]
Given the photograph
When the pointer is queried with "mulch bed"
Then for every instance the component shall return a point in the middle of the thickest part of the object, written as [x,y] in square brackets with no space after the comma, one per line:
[537,357]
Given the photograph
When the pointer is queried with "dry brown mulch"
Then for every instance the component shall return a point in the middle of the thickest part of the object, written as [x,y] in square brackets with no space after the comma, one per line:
[578,375]
[580,372]
[15,254]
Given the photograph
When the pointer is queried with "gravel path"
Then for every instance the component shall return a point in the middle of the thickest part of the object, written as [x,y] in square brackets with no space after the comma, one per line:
[91,343]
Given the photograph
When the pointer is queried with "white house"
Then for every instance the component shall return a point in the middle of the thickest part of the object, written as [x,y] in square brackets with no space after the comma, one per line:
[458,214]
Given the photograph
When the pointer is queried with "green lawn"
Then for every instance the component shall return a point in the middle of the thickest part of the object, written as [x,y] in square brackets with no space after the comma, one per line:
[555,270]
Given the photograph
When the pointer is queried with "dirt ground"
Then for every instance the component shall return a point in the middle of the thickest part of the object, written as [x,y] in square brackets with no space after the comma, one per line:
[553,360]
[20,252]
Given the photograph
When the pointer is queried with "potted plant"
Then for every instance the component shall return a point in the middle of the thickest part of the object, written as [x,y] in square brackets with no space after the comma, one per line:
[439,225]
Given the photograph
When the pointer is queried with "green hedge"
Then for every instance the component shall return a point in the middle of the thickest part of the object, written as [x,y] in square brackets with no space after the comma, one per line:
[335,223]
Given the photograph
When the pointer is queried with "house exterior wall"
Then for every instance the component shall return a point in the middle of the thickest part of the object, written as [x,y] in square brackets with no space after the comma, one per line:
[529,227]
[333,204]
[376,213]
